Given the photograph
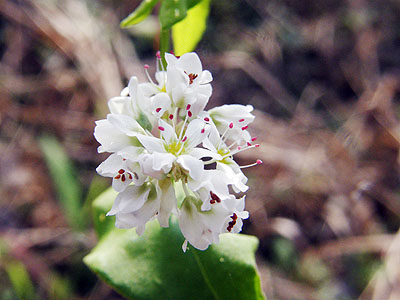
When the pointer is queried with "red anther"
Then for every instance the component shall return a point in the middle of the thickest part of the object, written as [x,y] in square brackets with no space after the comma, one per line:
[130,176]
[121,171]
[192,77]
[158,54]
[241,120]
[202,131]
[245,127]
[239,147]
[207,119]
[188,107]
[124,159]
[184,138]
[257,145]
[248,144]
[259,162]
[123,178]
[117,177]
[136,175]
[215,197]
[161,128]
[234,216]
[146,66]
[158,109]
[231,125]
[171,116]
[254,139]
[190,114]
[212,201]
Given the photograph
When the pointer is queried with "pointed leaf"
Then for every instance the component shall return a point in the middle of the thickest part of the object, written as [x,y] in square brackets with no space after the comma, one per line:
[187,33]
[139,14]
[171,12]
[154,264]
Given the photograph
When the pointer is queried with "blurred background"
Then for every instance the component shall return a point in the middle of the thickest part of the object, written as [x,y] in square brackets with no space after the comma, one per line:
[324,79]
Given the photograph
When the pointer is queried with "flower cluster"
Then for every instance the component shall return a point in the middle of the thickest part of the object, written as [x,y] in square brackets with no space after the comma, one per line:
[159,137]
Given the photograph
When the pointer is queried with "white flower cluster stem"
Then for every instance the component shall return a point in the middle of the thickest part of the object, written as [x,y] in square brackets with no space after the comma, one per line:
[159,135]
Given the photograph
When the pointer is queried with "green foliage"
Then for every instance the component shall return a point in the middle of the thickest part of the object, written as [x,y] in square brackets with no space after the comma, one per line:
[187,33]
[154,264]
[20,280]
[140,13]
[186,17]
[65,180]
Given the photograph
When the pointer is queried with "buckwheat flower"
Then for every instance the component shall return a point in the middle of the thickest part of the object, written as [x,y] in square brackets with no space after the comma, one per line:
[171,150]
[191,84]
[123,171]
[232,121]
[202,228]
[159,136]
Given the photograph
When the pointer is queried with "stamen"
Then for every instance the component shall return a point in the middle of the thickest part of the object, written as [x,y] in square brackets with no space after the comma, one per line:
[240,149]
[190,114]
[171,116]
[130,176]
[117,177]
[232,223]
[214,198]
[254,139]
[207,119]
[231,125]
[258,162]
[158,109]
[241,120]
[161,128]
[146,67]
[188,107]
[245,127]
[121,171]
[184,139]
[203,130]
[248,144]
[123,178]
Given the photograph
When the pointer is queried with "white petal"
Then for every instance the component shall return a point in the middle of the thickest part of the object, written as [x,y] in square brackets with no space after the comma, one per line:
[131,199]
[163,161]
[152,144]
[110,138]
[120,105]
[195,134]
[125,124]
[167,202]
[167,132]
[193,165]
[190,62]
[160,100]
[110,166]
[206,77]
[171,59]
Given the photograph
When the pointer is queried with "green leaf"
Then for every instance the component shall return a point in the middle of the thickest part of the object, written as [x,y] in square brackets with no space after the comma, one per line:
[20,280]
[171,12]
[192,3]
[139,14]
[187,33]
[65,179]
[143,268]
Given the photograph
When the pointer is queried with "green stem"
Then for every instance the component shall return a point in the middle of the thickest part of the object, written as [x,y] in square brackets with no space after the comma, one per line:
[164,45]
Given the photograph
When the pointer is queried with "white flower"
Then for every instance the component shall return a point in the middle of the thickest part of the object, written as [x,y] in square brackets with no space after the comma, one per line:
[202,228]
[159,136]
